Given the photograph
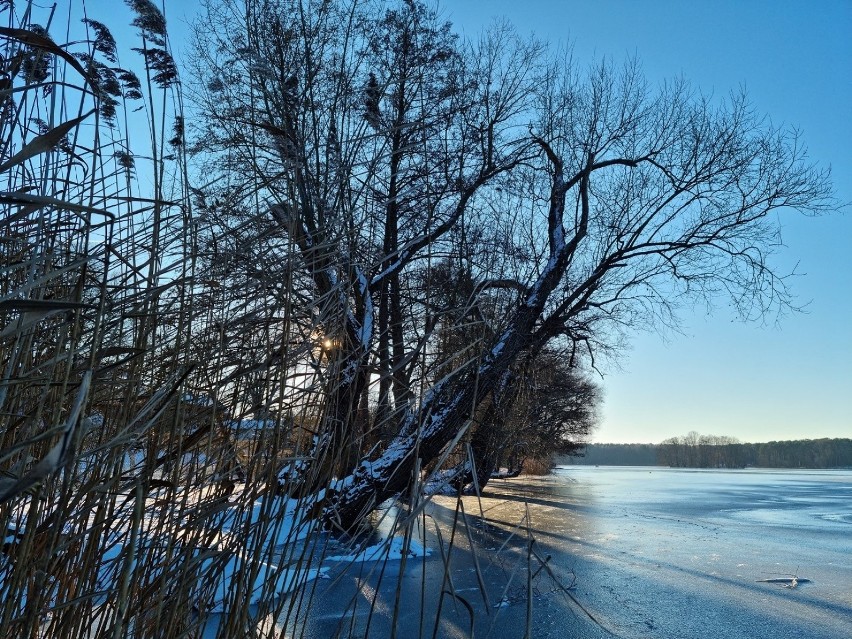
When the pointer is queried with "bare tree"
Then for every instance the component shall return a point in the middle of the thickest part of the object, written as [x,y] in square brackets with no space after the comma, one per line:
[607,203]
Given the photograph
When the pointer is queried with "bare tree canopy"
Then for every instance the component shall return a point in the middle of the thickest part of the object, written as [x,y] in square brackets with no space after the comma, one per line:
[360,146]
[371,254]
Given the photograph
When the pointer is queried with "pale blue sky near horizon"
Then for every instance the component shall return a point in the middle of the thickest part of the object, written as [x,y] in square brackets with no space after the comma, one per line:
[786,380]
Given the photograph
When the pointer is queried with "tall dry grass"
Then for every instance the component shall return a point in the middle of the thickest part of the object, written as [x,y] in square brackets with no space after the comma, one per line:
[116,460]
[149,397]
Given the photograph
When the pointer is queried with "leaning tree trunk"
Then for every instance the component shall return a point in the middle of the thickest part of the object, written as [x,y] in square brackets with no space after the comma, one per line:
[449,405]
[484,446]
[486,440]
[444,412]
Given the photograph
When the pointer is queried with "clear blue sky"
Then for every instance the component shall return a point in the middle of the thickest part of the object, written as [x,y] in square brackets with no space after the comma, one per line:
[757,383]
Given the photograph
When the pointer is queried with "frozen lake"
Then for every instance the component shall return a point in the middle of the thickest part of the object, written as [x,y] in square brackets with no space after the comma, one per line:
[652,552]
[664,552]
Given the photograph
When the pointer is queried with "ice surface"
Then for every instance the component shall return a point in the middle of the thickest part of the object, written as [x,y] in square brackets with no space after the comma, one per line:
[395,549]
[269,580]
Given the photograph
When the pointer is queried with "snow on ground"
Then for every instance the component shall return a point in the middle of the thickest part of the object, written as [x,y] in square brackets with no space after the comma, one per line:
[393,549]
[279,520]
[248,540]
[269,579]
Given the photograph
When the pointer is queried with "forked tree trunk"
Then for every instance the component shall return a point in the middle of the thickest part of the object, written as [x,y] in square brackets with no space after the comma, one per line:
[449,404]
[443,413]
[423,436]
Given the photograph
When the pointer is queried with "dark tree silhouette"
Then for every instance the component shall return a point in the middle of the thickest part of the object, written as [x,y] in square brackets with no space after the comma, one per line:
[601,204]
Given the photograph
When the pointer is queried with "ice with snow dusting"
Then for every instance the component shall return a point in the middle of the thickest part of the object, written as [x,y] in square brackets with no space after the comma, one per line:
[269,580]
[279,520]
[272,522]
[390,550]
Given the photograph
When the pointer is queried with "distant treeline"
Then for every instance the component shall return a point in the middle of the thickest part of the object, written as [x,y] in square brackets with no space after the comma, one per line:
[615,455]
[697,451]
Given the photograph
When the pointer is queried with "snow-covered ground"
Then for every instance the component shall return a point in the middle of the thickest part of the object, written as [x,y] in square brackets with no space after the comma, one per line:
[605,552]
[255,549]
